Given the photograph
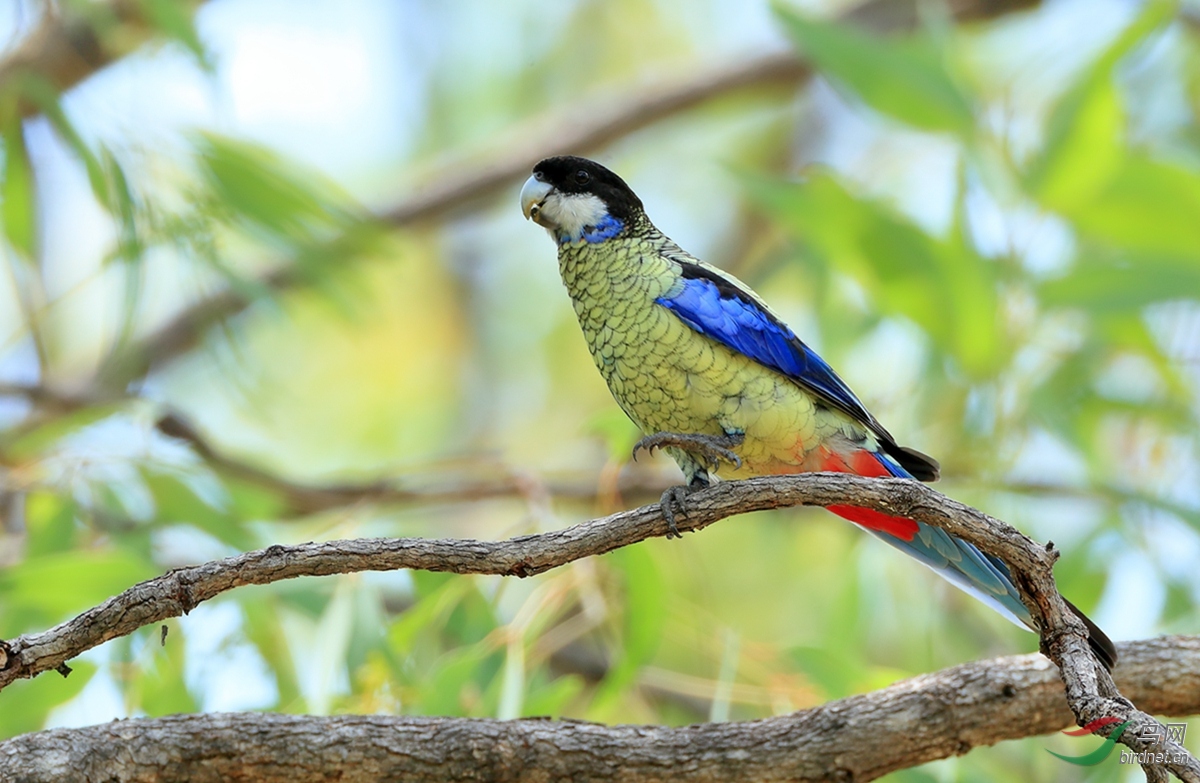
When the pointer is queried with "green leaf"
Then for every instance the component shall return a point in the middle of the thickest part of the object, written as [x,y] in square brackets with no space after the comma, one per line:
[1128,331]
[941,285]
[158,686]
[174,19]
[176,501]
[1143,241]
[27,703]
[50,522]
[909,82]
[837,674]
[1139,281]
[1150,207]
[1081,577]
[552,698]
[1069,404]
[43,94]
[252,502]
[35,441]
[262,188]
[645,606]
[644,620]
[47,588]
[454,684]
[471,619]
[1180,607]
[129,242]
[263,629]
[613,427]
[428,613]
[1083,145]
[20,201]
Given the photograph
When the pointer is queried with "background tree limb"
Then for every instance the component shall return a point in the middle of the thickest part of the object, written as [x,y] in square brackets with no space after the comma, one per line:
[302,498]
[74,40]
[859,738]
[1091,692]
[593,123]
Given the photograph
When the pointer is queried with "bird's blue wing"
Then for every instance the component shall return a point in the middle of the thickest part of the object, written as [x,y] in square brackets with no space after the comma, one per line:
[716,309]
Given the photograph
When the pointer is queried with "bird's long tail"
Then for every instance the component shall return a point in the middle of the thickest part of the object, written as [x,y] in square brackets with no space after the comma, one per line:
[969,569]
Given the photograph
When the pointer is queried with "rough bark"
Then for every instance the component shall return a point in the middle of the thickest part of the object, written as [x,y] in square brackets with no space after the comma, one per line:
[858,738]
[1090,691]
[177,592]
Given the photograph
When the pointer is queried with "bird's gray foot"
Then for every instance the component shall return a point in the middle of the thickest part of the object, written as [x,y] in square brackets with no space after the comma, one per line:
[710,449]
[673,499]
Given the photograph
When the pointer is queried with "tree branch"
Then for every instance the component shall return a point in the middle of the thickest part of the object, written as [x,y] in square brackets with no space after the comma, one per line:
[860,738]
[301,498]
[1091,693]
[73,41]
[463,183]
[592,124]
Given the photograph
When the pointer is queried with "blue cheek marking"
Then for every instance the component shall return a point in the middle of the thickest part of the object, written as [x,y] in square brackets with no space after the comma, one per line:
[606,229]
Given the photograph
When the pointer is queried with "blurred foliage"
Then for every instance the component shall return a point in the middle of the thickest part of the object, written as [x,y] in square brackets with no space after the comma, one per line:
[1040,338]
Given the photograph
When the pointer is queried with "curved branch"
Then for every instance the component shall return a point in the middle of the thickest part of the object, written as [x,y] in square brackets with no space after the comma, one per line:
[860,738]
[1091,693]
[178,591]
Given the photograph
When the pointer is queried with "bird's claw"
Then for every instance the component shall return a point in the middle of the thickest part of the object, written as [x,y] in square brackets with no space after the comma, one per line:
[711,449]
[671,499]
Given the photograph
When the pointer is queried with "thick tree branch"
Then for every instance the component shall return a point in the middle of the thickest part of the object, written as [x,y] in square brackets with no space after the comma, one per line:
[860,738]
[1091,693]
[592,124]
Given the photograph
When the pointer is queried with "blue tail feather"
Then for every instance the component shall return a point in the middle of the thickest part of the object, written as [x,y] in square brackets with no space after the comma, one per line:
[959,562]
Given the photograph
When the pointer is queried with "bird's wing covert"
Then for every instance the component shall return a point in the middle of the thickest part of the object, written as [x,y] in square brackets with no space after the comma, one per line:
[717,308]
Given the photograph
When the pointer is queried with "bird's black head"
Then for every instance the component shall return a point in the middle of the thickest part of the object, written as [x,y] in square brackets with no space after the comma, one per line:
[576,198]
[574,175]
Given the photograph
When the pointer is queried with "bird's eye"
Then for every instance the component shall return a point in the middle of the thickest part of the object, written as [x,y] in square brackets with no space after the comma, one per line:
[540,176]
[582,177]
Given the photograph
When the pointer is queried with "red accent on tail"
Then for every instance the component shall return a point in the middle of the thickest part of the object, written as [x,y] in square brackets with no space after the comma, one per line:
[868,518]
[1099,723]
[864,463]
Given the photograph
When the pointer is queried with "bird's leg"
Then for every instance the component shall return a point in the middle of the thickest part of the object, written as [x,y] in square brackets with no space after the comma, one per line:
[693,452]
[712,449]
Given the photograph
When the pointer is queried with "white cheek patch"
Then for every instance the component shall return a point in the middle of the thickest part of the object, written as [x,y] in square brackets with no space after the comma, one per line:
[569,213]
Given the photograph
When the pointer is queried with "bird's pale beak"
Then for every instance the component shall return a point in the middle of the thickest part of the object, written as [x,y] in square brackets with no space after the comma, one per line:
[533,193]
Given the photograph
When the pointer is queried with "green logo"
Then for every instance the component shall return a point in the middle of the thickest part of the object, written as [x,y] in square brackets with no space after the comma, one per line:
[1100,753]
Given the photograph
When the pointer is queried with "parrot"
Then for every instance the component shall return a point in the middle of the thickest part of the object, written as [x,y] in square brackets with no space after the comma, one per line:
[713,377]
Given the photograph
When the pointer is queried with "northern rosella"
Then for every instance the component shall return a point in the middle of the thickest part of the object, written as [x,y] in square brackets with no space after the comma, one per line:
[710,374]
